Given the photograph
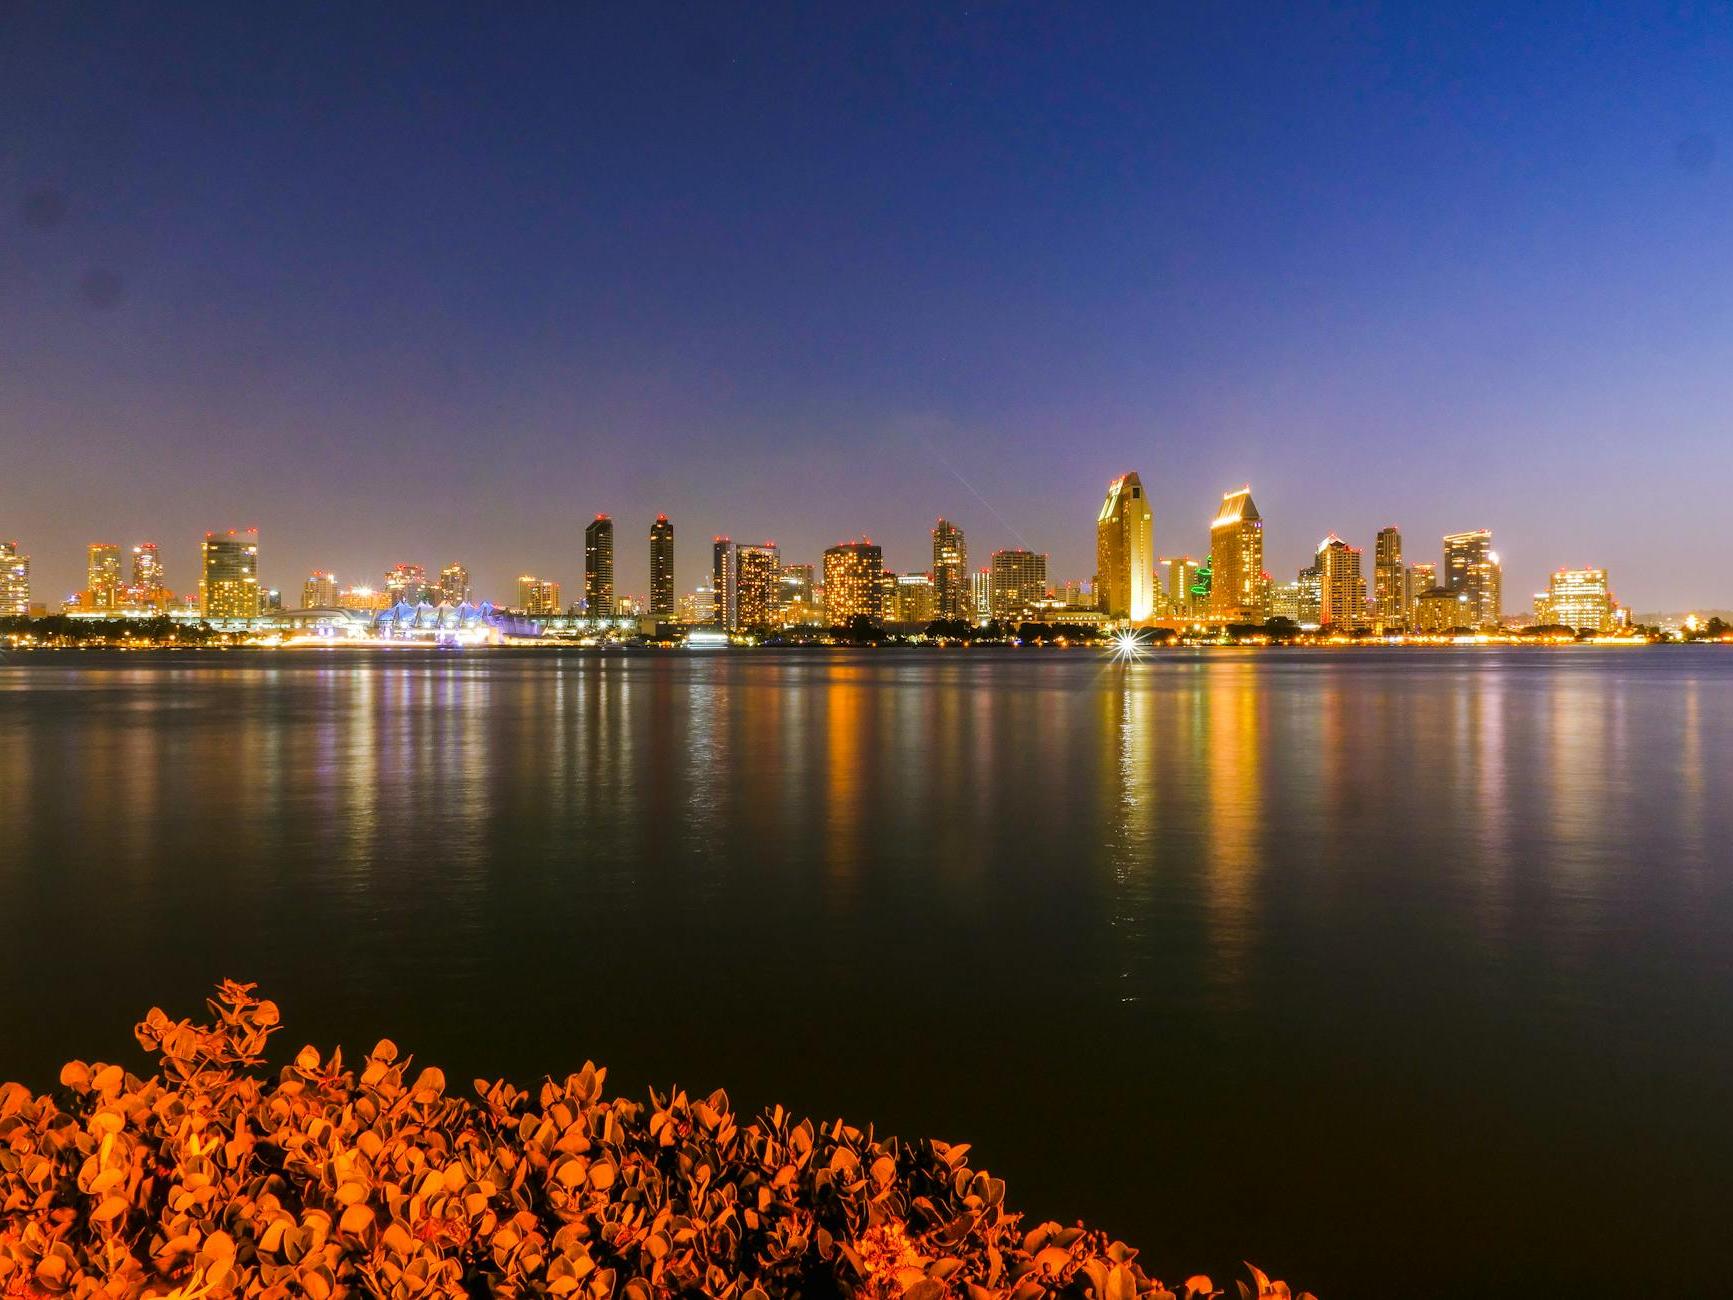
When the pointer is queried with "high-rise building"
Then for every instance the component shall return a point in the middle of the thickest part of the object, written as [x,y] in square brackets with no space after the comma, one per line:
[662,570]
[980,596]
[453,584]
[852,571]
[1580,599]
[1310,602]
[599,567]
[1238,590]
[1439,609]
[1125,552]
[538,596]
[722,582]
[1389,580]
[917,599]
[950,571]
[1341,587]
[796,584]
[1285,601]
[148,584]
[102,585]
[363,597]
[319,591]
[1182,573]
[14,580]
[757,587]
[1471,567]
[1019,581]
[406,583]
[229,574]
[1421,578]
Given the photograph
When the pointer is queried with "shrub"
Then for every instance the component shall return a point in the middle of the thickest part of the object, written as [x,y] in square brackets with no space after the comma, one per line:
[214,1179]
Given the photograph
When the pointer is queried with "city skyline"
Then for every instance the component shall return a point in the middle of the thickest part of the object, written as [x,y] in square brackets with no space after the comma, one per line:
[298,299]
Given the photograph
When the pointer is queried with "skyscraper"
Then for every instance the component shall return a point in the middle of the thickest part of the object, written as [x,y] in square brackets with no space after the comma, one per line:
[102,576]
[980,595]
[1182,573]
[1422,578]
[148,585]
[950,571]
[722,582]
[1341,587]
[1238,591]
[229,574]
[406,583]
[599,567]
[1389,580]
[916,599]
[453,584]
[538,596]
[1471,568]
[1580,599]
[1125,552]
[1309,606]
[1019,580]
[662,570]
[852,571]
[14,580]
[757,587]
[319,591]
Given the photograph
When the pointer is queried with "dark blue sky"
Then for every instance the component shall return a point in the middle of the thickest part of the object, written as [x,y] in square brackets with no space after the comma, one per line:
[422,283]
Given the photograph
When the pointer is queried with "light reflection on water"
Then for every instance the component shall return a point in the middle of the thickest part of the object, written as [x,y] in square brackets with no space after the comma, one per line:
[1342,961]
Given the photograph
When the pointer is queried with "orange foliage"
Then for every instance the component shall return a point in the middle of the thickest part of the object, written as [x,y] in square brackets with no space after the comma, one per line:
[213,1179]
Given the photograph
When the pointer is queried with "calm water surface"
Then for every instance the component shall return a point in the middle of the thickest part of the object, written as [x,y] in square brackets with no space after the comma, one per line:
[1398,972]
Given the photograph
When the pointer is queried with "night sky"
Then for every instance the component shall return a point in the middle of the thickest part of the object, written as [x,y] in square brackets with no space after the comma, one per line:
[415,283]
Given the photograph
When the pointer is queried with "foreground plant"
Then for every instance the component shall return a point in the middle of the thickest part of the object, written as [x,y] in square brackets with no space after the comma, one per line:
[213,1179]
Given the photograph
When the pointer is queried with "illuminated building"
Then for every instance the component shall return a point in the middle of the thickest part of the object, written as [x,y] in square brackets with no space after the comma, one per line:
[453,584]
[950,571]
[1311,598]
[1125,552]
[1341,588]
[981,595]
[851,582]
[1580,599]
[229,574]
[407,584]
[599,567]
[363,598]
[662,607]
[1182,573]
[102,585]
[1285,601]
[1471,567]
[14,580]
[757,587]
[1019,582]
[1439,609]
[697,606]
[917,599]
[722,581]
[796,586]
[1389,580]
[1421,577]
[1237,587]
[148,588]
[270,600]
[538,596]
[319,591]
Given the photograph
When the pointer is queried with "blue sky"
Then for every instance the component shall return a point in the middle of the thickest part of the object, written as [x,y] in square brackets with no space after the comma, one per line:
[424,283]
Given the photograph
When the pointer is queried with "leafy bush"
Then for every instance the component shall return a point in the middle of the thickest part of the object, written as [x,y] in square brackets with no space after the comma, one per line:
[215,1179]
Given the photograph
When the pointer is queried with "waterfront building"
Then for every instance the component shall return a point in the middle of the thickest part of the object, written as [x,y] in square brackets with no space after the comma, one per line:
[1182,574]
[1019,583]
[538,596]
[453,584]
[149,588]
[1439,609]
[1422,577]
[406,583]
[363,598]
[1341,587]
[980,596]
[229,574]
[102,586]
[599,567]
[851,582]
[1471,566]
[1580,599]
[1311,601]
[722,581]
[1285,601]
[917,599]
[1125,552]
[950,571]
[662,570]
[1389,580]
[14,580]
[1238,586]
[757,587]
[319,591]
[795,584]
